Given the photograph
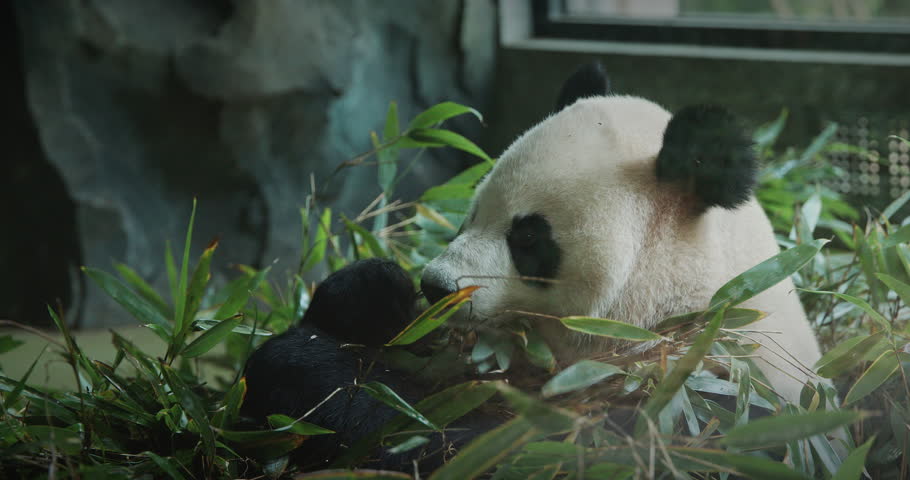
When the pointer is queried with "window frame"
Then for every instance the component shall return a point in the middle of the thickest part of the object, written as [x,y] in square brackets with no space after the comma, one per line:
[550,22]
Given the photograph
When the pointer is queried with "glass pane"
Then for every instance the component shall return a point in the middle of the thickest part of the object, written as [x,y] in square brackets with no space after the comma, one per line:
[763,11]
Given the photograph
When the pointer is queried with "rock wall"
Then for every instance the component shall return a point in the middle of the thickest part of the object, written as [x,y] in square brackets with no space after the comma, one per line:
[139,106]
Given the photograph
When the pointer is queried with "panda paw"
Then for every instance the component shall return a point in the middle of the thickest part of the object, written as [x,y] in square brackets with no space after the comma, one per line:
[367,302]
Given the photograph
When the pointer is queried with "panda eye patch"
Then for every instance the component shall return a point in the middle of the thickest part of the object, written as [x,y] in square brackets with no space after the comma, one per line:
[533,250]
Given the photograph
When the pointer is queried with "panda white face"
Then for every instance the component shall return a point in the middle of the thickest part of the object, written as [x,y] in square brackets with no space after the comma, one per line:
[613,208]
[557,226]
[602,209]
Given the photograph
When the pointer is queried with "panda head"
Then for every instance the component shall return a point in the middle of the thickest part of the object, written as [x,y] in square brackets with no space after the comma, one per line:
[573,208]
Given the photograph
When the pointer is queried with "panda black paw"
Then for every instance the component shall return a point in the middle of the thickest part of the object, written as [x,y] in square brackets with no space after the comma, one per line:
[307,369]
[367,302]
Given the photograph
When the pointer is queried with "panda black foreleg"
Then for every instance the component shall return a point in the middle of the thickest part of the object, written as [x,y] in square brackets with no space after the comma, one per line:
[366,303]
[304,369]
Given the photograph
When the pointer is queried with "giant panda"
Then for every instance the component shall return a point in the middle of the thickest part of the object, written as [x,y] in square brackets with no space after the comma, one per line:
[610,207]
[613,207]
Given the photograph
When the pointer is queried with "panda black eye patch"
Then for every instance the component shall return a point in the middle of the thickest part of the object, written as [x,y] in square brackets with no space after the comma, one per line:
[532,247]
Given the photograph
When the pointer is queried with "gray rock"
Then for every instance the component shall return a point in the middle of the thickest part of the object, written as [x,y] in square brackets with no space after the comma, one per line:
[142,105]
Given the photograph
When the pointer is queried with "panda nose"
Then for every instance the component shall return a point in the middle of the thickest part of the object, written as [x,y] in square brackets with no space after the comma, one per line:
[433,290]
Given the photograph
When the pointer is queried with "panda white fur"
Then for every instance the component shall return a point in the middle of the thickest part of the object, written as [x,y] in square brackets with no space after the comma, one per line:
[609,208]
[614,208]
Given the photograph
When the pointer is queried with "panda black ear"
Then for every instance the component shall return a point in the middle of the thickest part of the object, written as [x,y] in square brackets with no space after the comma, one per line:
[590,80]
[708,152]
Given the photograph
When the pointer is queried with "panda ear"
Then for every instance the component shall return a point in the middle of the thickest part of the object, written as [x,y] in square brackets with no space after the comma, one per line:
[590,80]
[708,152]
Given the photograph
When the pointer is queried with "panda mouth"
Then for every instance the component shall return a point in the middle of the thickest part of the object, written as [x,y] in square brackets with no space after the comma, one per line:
[467,317]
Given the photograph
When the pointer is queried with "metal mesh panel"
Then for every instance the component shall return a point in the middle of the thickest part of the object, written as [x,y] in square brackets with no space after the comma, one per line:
[883,173]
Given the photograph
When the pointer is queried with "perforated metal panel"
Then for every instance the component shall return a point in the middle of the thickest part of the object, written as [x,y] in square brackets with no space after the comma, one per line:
[884,171]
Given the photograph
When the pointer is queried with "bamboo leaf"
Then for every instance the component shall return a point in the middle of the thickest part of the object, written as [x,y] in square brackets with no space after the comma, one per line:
[785,428]
[609,328]
[388,157]
[459,187]
[143,364]
[193,405]
[409,444]
[765,135]
[138,307]
[386,395]
[818,143]
[284,423]
[180,301]
[487,450]
[538,351]
[852,466]
[231,405]
[896,205]
[434,137]
[168,465]
[578,376]
[196,288]
[809,215]
[902,252]
[263,444]
[207,324]
[878,373]
[900,288]
[61,439]
[367,237]
[434,216]
[433,317]
[143,289]
[192,299]
[441,112]
[446,406]
[76,356]
[840,349]
[682,459]
[211,337]
[868,248]
[719,386]
[902,235]
[547,417]
[448,192]
[483,348]
[851,356]
[503,350]
[868,309]
[171,271]
[237,299]
[667,387]
[734,318]
[317,250]
[441,408]
[360,473]
[766,274]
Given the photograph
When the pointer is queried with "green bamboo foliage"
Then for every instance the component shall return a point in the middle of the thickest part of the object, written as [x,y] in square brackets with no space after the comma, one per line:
[696,393]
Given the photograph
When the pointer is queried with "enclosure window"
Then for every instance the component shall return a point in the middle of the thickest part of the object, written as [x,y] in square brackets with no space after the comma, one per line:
[842,25]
